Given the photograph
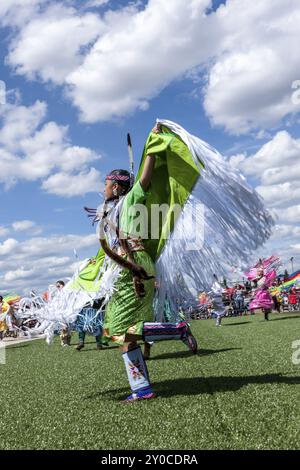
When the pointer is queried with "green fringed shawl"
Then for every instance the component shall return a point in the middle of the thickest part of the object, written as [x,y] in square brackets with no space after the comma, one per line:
[174,177]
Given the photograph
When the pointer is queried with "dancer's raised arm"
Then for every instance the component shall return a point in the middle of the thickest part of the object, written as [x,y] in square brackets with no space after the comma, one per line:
[145,179]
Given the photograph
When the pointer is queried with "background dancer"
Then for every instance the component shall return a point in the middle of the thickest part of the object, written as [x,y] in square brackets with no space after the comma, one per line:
[90,320]
[65,334]
[216,295]
[264,274]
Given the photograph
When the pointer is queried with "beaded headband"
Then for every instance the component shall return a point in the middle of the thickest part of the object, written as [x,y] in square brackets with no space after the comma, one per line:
[118,177]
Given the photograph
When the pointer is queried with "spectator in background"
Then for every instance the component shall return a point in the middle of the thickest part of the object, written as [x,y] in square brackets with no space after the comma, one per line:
[285,301]
[279,299]
[298,298]
[248,286]
[3,311]
[293,299]
[65,334]
[276,303]
[238,301]
[218,306]
[11,322]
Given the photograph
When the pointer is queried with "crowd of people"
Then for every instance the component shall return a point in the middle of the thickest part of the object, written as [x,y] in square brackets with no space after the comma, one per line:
[237,300]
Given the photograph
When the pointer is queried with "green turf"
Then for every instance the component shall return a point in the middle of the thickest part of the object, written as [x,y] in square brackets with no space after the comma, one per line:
[240,392]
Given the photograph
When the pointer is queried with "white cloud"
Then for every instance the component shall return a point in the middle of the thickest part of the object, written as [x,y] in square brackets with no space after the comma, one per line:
[17,274]
[8,246]
[32,149]
[17,12]
[290,214]
[136,53]
[286,231]
[74,158]
[46,268]
[250,83]
[114,62]
[296,247]
[273,159]
[27,226]
[67,185]
[276,166]
[23,225]
[20,122]
[49,46]
[141,53]
[39,261]
[280,195]
[4,231]
[96,3]
[53,246]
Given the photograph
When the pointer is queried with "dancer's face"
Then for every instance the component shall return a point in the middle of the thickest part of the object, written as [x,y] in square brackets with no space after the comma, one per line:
[108,189]
[111,189]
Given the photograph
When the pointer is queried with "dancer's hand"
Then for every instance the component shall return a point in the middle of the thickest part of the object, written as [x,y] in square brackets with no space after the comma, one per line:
[157,128]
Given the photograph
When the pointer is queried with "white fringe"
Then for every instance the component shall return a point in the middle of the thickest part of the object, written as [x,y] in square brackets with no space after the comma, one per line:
[230,215]
[64,305]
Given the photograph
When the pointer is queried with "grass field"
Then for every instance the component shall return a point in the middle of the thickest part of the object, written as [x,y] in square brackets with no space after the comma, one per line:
[240,392]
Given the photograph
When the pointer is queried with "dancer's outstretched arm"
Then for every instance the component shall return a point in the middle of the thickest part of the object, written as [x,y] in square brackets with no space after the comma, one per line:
[145,179]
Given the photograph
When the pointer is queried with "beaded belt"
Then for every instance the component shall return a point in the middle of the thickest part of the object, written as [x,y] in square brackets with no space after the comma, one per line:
[134,244]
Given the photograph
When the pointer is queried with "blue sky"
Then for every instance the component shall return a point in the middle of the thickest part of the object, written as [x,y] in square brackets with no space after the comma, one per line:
[183,63]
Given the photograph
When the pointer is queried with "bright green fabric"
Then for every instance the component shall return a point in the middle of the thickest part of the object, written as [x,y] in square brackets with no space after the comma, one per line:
[174,177]
[88,275]
[126,312]
[127,219]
